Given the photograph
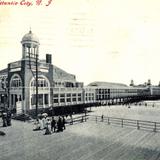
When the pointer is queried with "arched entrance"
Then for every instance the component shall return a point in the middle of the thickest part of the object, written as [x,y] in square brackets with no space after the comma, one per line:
[43,92]
[15,100]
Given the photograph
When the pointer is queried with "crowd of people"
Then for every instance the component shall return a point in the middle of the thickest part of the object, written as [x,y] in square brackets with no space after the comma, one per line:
[50,125]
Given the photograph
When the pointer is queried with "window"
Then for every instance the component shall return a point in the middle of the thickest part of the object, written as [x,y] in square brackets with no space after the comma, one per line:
[33,99]
[46,99]
[68,95]
[40,99]
[62,100]
[74,95]
[11,99]
[16,81]
[42,82]
[62,95]
[79,99]
[55,95]
[55,100]
[68,99]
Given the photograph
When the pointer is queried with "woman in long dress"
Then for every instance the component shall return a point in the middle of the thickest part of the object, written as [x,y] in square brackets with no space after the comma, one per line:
[44,121]
[48,127]
[41,123]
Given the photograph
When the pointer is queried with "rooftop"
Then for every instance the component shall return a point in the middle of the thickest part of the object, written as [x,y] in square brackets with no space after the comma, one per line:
[107,84]
[30,37]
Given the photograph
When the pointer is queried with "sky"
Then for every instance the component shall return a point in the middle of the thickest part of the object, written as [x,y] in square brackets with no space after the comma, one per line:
[97,40]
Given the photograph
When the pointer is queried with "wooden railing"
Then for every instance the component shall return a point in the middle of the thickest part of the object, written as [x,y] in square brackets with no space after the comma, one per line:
[139,124]
[78,119]
[123,122]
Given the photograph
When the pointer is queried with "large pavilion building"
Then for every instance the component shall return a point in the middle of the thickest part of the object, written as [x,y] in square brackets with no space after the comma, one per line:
[18,81]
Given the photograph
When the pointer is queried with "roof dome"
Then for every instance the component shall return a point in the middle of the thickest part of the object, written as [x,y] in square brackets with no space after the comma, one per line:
[30,37]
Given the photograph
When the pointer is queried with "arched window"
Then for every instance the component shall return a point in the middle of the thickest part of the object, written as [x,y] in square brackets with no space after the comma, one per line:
[42,82]
[16,81]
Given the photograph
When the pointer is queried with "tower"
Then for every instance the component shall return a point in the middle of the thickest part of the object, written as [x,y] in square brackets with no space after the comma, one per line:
[149,82]
[30,79]
[19,73]
[132,83]
[30,46]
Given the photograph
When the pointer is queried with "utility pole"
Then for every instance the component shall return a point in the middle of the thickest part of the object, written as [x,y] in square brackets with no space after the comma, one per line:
[36,80]
[36,86]
[53,101]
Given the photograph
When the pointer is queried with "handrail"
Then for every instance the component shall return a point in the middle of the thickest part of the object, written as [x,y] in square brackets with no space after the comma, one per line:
[139,124]
[124,118]
[149,125]
[77,119]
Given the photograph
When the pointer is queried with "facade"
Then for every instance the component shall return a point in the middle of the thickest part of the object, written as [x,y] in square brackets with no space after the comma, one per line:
[21,77]
[113,93]
[56,87]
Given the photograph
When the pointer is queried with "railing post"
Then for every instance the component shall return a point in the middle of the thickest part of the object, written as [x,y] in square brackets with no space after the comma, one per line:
[138,127]
[85,116]
[155,127]
[82,119]
[122,123]
[108,121]
[102,118]
[71,122]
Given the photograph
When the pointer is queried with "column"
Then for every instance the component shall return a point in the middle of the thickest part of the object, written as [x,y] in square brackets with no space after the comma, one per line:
[43,101]
[24,50]
[34,53]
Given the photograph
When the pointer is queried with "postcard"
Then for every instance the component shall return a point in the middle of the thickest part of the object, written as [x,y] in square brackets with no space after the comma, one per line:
[79,80]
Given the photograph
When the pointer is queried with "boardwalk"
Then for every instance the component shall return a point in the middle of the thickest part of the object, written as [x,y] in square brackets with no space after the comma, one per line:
[83,141]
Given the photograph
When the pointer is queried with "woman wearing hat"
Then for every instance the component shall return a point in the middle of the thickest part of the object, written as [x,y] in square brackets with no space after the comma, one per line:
[48,127]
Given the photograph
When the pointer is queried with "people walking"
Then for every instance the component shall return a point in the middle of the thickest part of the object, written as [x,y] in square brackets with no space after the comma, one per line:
[53,124]
[48,124]
[44,121]
[41,123]
[8,118]
[63,122]
[59,125]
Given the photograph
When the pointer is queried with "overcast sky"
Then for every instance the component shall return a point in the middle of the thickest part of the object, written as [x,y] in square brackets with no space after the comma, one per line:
[97,40]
